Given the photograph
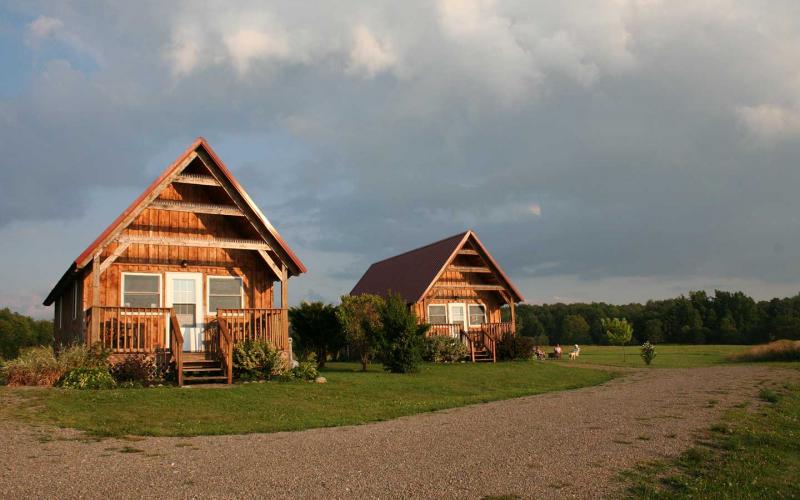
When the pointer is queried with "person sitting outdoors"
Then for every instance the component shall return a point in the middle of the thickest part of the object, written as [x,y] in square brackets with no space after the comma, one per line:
[539,353]
[557,351]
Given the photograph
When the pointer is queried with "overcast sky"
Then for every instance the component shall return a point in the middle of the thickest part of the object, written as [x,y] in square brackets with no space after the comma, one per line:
[603,150]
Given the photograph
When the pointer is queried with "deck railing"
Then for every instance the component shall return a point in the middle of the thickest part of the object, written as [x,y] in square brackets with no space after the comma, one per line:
[498,330]
[268,325]
[176,345]
[224,348]
[444,329]
[128,330]
[486,335]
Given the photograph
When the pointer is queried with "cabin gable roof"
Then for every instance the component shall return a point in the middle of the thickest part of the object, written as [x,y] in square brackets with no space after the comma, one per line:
[412,274]
[200,151]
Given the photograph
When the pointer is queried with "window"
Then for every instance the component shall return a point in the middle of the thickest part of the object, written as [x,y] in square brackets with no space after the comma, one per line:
[437,314]
[141,290]
[477,314]
[224,293]
[75,299]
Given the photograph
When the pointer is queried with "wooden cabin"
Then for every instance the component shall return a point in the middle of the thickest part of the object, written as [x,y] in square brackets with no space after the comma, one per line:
[184,273]
[455,285]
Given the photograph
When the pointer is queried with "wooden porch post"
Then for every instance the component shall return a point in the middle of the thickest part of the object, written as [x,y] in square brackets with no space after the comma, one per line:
[285,310]
[513,317]
[284,288]
[94,328]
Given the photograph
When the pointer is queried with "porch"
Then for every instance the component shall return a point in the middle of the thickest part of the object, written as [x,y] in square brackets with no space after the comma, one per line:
[126,331]
[481,340]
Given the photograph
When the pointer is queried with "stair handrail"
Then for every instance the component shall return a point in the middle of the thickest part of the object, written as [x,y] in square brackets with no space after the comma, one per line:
[176,345]
[465,335]
[491,344]
[226,350]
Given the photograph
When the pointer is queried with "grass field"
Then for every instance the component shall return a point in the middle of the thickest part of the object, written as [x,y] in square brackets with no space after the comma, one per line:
[349,397]
[667,356]
[748,455]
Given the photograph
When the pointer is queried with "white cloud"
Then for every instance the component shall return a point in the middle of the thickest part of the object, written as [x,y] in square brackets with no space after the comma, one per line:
[247,46]
[44,27]
[183,55]
[770,124]
[369,56]
[486,50]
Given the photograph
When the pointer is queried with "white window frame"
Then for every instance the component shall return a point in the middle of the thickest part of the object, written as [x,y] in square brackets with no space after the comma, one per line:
[466,313]
[485,317]
[160,287]
[446,316]
[208,290]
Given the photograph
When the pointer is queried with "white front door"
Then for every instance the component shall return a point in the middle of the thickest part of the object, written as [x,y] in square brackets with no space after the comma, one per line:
[185,295]
[457,314]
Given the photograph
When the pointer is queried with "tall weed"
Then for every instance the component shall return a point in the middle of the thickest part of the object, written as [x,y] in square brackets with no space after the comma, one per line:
[780,350]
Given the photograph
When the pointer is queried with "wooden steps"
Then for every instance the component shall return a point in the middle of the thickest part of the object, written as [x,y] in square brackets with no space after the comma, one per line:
[483,356]
[199,368]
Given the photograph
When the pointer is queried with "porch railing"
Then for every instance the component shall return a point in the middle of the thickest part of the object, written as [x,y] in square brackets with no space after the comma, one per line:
[498,330]
[128,330]
[176,345]
[268,325]
[446,330]
[486,335]
[221,345]
[136,330]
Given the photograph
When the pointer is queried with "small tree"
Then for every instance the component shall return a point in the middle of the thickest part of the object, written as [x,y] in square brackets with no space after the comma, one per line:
[316,329]
[403,336]
[359,317]
[618,331]
[648,352]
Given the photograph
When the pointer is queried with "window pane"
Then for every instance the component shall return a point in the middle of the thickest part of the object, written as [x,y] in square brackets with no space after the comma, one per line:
[185,314]
[224,286]
[437,314]
[141,300]
[224,302]
[477,315]
[134,283]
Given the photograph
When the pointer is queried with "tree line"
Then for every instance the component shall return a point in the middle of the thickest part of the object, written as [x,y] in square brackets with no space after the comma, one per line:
[699,318]
[18,331]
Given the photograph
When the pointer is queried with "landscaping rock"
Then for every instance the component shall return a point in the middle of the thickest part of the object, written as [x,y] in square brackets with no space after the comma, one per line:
[321,380]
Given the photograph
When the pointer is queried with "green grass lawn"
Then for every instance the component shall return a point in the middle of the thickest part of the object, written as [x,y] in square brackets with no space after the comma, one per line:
[667,356]
[349,397]
[748,455]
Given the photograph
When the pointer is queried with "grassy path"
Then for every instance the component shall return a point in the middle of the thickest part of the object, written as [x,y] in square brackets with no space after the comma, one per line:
[667,356]
[349,397]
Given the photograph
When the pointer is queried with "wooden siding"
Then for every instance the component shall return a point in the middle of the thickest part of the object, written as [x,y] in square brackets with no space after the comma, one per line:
[69,330]
[455,284]
[161,222]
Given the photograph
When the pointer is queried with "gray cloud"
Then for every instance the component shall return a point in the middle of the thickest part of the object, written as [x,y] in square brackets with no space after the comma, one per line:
[657,139]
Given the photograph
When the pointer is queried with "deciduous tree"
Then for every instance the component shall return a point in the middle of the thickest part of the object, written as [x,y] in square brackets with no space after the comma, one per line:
[360,319]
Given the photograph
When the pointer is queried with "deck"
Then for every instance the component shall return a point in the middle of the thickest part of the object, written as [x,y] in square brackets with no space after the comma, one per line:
[125,331]
[481,340]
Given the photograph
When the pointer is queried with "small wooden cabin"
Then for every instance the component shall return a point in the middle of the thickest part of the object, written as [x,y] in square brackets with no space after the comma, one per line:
[184,273]
[455,285]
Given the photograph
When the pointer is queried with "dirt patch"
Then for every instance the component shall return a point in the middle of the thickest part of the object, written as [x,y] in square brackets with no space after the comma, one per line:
[566,444]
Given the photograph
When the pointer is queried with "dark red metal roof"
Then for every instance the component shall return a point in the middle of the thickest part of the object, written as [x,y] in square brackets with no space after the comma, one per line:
[408,274]
[200,142]
[412,273]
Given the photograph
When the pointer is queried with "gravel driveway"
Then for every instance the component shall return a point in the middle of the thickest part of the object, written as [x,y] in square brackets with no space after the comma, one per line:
[567,444]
